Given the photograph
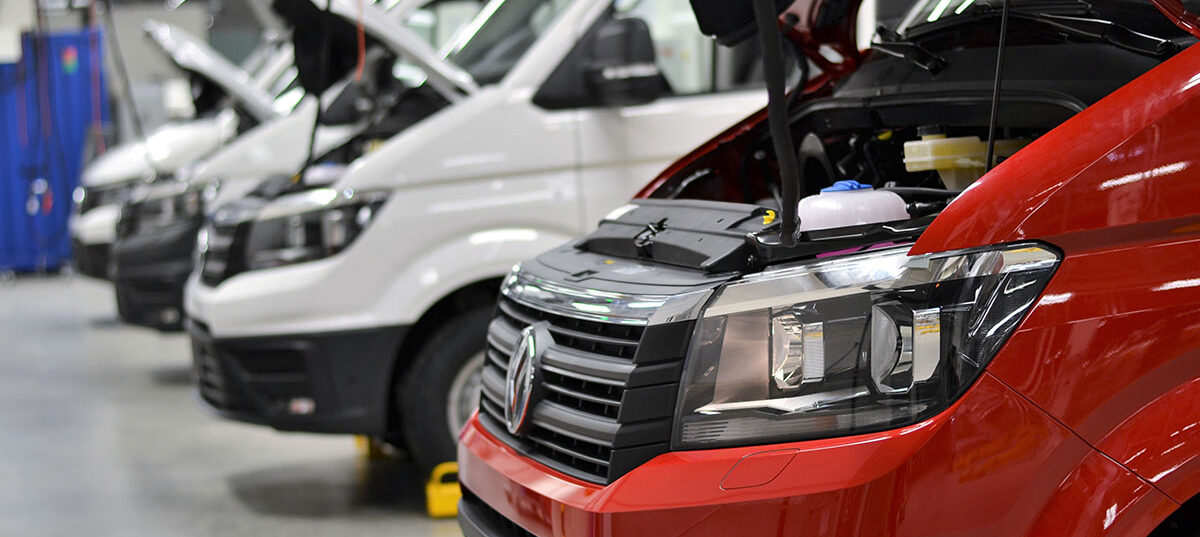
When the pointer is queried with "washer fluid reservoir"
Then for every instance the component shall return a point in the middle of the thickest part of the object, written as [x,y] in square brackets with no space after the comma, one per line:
[959,161]
[850,203]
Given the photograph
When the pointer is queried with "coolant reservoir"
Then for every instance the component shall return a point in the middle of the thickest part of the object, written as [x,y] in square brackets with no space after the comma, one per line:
[850,203]
[959,161]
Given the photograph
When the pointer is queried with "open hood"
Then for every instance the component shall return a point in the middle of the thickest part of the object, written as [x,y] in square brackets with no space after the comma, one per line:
[810,24]
[381,25]
[1180,15]
[193,55]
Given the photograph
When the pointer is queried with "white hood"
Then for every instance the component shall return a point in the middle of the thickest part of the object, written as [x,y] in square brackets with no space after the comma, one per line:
[192,54]
[277,146]
[120,163]
[178,145]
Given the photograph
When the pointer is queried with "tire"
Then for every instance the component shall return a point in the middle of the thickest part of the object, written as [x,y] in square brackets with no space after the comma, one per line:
[442,387]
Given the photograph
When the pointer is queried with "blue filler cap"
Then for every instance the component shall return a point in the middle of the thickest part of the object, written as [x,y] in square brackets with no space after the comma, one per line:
[846,186]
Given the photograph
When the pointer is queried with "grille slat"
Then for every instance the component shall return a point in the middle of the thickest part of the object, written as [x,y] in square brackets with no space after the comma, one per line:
[581,395]
[577,425]
[607,339]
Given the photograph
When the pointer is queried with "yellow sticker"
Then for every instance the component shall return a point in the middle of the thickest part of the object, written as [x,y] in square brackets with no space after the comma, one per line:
[769,217]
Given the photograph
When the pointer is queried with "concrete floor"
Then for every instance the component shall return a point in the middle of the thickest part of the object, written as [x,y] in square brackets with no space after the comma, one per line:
[101,434]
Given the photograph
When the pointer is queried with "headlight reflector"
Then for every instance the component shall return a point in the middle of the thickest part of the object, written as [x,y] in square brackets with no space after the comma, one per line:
[852,345]
[310,234]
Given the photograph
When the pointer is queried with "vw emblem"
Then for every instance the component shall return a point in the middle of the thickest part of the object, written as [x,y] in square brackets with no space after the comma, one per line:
[522,370]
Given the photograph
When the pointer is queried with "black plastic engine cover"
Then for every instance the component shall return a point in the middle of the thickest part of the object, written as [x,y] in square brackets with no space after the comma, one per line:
[705,235]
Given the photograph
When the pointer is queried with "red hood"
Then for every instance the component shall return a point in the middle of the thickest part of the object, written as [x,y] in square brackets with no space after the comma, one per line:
[810,24]
[832,23]
[1178,14]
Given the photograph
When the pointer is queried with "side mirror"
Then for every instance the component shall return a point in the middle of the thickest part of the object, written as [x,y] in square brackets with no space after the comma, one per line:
[613,65]
[620,69]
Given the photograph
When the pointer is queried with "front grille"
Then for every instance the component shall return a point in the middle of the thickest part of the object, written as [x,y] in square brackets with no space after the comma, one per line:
[606,395]
[225,255]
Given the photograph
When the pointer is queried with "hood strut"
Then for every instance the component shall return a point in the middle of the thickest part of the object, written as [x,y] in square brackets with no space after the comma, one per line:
[777,115]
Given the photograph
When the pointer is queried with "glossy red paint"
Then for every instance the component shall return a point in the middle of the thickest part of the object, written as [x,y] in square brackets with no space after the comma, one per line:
[1101,498]
[1183,18]
[803,21]
[991,464]
[1125,163]
[1113,350]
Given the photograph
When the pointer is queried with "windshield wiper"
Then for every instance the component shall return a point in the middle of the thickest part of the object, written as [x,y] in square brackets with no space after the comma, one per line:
[1104,31]
[893,44]
[1084,28]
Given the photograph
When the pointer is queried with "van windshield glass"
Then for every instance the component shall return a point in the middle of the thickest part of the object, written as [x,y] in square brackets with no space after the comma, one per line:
[496,40]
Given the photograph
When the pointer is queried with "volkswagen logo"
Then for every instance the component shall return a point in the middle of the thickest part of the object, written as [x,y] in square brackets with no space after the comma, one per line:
[522,371]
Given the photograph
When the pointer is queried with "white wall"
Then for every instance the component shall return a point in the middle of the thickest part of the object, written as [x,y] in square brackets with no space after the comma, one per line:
[15,17]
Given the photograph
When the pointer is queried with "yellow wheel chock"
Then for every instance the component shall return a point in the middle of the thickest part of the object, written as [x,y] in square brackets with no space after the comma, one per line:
[442,492]
[370,449]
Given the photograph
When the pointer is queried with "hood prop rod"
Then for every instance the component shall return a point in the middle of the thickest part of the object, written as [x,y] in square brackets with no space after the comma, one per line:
[991,147]
[774,72]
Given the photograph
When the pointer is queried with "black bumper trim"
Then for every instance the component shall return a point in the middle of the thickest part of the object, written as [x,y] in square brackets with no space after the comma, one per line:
[347,375]
[91,259]
[478,520]
[151,270]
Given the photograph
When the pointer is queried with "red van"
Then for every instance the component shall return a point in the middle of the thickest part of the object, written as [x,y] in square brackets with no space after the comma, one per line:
[926,347]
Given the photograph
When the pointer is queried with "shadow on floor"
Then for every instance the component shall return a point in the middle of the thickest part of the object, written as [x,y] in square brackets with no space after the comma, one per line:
[172,376]
[106,322]
[330,488]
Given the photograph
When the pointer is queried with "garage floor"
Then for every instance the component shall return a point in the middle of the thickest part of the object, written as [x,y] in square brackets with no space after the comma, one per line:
[100,434]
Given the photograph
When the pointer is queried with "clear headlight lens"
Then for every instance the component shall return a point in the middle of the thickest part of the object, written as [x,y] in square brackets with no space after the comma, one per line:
[185,204]
[312,234]
[86,198]
[852,345]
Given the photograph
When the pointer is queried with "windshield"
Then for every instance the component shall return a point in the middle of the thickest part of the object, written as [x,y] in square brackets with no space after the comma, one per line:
[493,43]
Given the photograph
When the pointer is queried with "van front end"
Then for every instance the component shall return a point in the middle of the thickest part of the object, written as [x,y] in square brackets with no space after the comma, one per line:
[847,317]
[841,396]
[276,313]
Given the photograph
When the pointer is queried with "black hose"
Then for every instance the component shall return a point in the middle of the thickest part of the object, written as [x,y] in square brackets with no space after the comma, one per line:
[325,45]
[777,115]
[991,148]
[920,191]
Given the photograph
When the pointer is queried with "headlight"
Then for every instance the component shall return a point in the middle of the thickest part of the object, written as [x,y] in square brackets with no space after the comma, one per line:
[310,233]
[850,346]
[86,198]
[167,205]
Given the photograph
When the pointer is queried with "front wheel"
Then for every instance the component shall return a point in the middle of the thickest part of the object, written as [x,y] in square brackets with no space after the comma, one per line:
[441,390]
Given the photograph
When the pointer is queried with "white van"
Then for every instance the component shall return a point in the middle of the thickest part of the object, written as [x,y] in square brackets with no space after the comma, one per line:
[229,99]
[155,241]
[362,308]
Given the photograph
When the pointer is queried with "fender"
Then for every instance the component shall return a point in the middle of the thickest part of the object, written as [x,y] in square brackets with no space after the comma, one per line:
[1101,499]
[1159,442]
[1103,177]
[459,262]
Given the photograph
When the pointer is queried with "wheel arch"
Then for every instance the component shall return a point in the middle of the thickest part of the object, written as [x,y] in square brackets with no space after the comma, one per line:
[472,295]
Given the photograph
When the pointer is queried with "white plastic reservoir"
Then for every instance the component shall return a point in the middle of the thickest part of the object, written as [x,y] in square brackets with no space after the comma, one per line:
[850,203]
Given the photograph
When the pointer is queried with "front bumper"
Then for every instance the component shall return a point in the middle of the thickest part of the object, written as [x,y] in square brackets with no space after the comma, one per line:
[989,465]
[325,383]
[151,269]
[92,259]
